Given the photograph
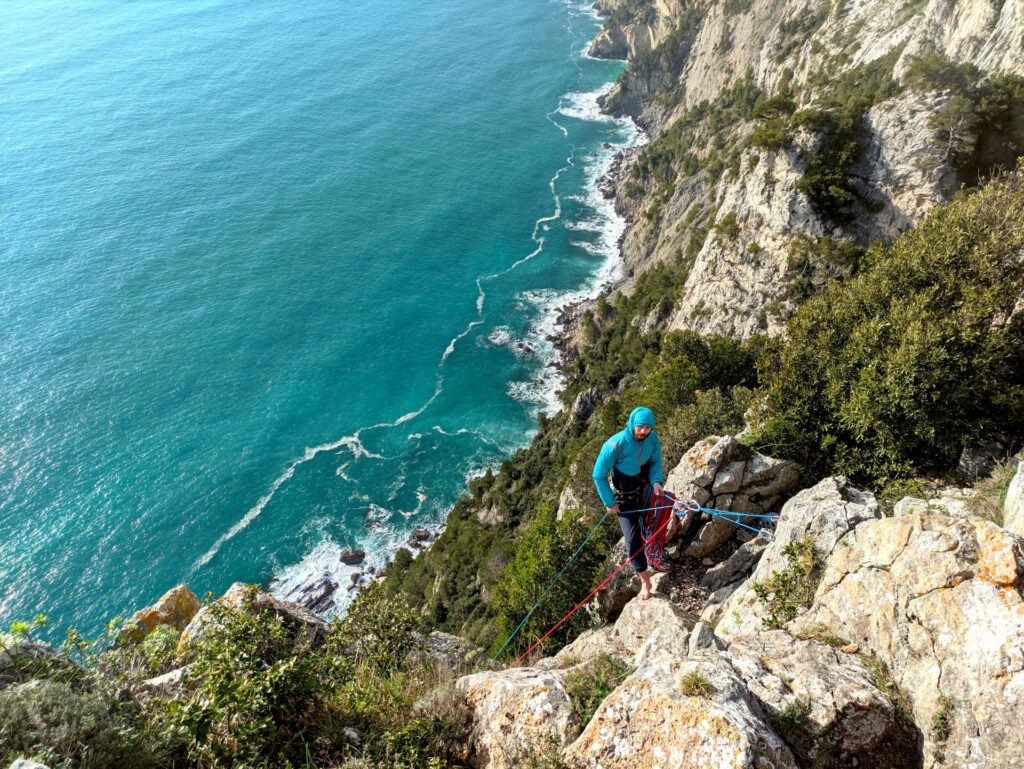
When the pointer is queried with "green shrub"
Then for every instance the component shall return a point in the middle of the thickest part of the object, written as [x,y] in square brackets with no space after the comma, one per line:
[907,363]
[70,728]
[770,135]
[693,684]
[589,685]
[789,591]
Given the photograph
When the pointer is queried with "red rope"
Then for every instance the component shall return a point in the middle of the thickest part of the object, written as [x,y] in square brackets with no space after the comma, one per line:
[594,591]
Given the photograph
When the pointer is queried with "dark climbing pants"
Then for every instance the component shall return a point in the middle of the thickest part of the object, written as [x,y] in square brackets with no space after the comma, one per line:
[632,530]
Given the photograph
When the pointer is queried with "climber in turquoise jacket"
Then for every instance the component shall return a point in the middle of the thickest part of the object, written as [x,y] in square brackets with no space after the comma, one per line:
[633,459]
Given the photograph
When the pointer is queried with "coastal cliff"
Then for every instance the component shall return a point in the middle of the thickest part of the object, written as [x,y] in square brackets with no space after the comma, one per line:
[824,307]
[875,113]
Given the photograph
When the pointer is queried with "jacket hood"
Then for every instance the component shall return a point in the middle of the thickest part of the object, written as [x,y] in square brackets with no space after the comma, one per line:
[640,416]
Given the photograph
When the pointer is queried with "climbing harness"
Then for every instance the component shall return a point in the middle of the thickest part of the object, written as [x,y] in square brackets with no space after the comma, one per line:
[679,510]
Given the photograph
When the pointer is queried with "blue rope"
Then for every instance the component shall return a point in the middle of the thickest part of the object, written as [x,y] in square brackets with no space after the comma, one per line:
[739,515]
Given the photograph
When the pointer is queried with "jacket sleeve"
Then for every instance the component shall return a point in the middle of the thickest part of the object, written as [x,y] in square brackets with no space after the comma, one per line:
[602,467]
[655,474]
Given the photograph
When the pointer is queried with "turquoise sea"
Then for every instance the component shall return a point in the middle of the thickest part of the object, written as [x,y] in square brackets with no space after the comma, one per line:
[276,278]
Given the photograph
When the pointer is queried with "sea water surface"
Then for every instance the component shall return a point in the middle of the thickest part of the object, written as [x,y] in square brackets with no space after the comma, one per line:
[275,279]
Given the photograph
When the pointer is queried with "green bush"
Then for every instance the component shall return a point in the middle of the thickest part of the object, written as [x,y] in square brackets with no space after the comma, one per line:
[903,366]
[70,729]
[544,547]
[789,591]
[589,685]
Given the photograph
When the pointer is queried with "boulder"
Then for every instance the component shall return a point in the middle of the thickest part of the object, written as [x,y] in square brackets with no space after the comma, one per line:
[176,608]
[316,595]
[307,628]
[823,701]
[620,589]
[702,637]
[699,465]
[1013,507]
[451,653]
[827,514]
[351,557]
[722,473]
[649,627]
[981,459]
[590,644]
[165,687]
[940,601]
[736,567]
[516,712]
[676,713]
[22,659]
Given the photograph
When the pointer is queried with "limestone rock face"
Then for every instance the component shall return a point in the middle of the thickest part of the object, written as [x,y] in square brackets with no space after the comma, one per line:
[516,713]
[660,717]
[847,720]
[452,653]
[620,589]
[721,473]
[166,686]
[306,625]
[941,602]
[1013,508]
[738,283]
[176,608]
[640,35]
[828,514]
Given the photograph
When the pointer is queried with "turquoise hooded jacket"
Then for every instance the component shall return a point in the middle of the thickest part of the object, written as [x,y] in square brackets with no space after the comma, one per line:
[626,453]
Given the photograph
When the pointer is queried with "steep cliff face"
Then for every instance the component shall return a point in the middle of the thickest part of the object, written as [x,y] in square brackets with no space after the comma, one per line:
[863,146]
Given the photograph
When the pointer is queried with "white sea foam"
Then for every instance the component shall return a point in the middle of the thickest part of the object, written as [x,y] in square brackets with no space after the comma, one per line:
[381,539]
[543,387]
[350,442]
[584,106]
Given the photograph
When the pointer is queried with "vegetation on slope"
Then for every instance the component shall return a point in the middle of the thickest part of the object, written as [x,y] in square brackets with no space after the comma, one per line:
[256,695]
[915,358]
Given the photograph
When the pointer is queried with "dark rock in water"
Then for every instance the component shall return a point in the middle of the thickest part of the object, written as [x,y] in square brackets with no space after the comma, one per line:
[356,577]
[351,557]
[421,535]
[414,543]
[370,570]
[317,596]
[606,145]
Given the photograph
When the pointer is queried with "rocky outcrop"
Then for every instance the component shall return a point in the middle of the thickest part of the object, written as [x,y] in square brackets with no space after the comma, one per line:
[516,713]
[1013,507]
[639,34]
[677,712]
[25,763]
[723,474]
[22,659]
[940,601]
[826,516]
[175,609]
[306,627]
[167,686]
[823,700]
[450,653]
[739,283]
